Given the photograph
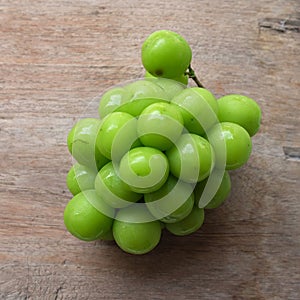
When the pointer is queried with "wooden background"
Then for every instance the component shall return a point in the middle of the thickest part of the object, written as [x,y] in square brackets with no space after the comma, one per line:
[55,57]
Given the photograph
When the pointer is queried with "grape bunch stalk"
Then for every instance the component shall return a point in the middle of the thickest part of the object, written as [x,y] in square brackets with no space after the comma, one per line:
[159,154]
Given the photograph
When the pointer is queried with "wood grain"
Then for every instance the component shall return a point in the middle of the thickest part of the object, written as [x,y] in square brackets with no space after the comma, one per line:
[56,56]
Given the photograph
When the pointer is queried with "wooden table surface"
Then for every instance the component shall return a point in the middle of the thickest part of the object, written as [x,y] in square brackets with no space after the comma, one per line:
[55,57]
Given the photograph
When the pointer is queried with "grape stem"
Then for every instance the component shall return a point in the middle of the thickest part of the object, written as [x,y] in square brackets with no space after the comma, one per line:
[192,75]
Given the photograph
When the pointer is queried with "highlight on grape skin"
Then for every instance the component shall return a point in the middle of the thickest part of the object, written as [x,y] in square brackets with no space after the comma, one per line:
[158,155]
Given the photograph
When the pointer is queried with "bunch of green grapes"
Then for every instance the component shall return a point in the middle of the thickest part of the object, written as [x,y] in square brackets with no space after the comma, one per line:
[159,154]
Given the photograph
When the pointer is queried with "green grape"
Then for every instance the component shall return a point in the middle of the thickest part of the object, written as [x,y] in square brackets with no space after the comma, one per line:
[136,106]
[221,194]
[170,87]
[82,143]
[84,220]
[241,110]
[80,178]
[191,159]
[237,142]
[183,79]
[172,202]
[159,125]
[199,109]
[188,225]
[144,93]
[145,88]
[113,99]
[117,134]
[144,169]
[166,54]
[112,189]
[107,236]
[132,234]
